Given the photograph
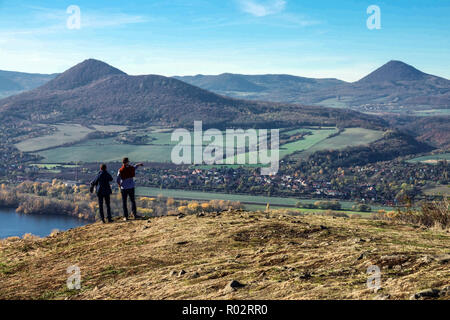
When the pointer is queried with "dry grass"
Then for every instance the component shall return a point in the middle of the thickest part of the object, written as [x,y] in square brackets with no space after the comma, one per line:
[266,252]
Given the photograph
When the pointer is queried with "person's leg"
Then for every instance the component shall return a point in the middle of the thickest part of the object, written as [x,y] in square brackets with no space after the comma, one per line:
[100,207]
[133,202]
[124,203]
[108,207]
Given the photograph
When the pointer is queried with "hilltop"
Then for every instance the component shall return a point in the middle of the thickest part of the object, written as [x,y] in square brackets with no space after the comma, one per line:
[274,256]
[395,71]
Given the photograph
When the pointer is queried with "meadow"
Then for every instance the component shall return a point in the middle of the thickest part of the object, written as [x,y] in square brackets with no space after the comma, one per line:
[350,137]
[65,133]
[432,159]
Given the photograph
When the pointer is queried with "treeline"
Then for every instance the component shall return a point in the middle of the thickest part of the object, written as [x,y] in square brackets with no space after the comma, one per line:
[332,205]
[57,198]
[324,205]
[47,199]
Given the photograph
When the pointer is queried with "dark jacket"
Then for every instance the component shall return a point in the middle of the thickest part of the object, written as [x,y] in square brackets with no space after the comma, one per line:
[101,182]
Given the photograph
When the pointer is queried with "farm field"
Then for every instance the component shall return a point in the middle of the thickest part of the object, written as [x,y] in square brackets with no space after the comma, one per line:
[432,159]
[333,103]
[106,150]
[316,136]
[438,190]
[432,112]
[159,146]
[351,137]
[245,199]
[65,133]
[110,128]
[157,150]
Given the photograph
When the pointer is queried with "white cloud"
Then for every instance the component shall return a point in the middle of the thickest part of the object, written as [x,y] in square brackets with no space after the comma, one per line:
[262,9]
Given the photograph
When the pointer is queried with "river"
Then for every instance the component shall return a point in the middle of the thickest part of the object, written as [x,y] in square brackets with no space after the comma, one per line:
[15,224]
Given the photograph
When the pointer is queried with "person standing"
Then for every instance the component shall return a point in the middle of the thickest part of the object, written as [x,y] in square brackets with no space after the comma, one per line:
[125,180]
[103,190]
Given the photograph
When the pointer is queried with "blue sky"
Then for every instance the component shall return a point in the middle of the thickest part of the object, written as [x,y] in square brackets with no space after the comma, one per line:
[314,38]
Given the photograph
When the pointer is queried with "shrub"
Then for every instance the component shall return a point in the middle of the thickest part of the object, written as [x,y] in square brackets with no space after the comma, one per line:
[361,207]
[435,214]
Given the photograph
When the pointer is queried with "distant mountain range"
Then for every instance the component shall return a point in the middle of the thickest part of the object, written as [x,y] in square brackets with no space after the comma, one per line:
[95,92]
[396,86]
[393,87]
[12,82]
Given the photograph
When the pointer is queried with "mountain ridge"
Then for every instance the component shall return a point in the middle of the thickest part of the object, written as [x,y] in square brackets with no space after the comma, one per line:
[95,91]
[14,82]
[394,84]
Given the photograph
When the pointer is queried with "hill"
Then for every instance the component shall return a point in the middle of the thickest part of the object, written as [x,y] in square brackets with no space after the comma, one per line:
[274,256]
[94,92]
[15,82]
[392,87]
[395,71]
[433,130]
[270,87]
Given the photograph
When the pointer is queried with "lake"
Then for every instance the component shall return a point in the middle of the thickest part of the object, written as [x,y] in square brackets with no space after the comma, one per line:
[15,224]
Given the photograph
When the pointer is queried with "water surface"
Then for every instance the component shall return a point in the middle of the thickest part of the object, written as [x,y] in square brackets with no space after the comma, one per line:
[16,224]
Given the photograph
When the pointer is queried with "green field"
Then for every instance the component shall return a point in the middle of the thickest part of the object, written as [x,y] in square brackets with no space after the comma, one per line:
[106,150]
[157,150]
[307,143]
[110,128]
[65,133]
[439,190]
[351,137]
[333,103]
[247,199]
[316,136]
[432,112]
[431,159]
[159,146]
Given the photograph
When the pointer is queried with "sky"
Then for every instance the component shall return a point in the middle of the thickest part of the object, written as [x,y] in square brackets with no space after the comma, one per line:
[311,38]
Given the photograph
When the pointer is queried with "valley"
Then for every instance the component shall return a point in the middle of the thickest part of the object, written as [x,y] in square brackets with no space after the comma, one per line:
[95,113]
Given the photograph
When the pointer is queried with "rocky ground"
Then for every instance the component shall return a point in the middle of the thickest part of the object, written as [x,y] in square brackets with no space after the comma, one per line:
[231,255]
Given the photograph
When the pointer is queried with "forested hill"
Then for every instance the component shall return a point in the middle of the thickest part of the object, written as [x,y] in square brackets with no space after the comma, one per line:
[93,91]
